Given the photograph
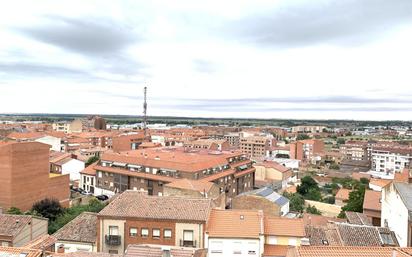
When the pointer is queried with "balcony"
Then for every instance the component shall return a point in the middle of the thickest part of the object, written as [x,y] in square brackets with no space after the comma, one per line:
[113,240]
[184,243]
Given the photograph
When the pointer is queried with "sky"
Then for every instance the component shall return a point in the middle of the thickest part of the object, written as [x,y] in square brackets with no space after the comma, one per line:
[297,59]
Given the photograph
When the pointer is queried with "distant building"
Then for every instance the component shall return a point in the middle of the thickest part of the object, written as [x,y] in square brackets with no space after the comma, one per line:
[306,150]
[25,177]
[389,160]
[127,142]
[64,163]
[271,170]
[209,144]
[308,129]
[233,138]
[254,146]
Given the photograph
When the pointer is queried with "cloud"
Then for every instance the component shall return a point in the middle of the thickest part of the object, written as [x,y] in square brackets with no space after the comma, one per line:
[297,23]
[86,35]
[204,66]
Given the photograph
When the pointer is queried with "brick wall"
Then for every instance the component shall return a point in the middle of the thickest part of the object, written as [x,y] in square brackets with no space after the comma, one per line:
[59,188]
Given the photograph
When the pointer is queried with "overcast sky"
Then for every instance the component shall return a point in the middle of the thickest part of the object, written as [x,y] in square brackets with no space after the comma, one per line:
[320,59]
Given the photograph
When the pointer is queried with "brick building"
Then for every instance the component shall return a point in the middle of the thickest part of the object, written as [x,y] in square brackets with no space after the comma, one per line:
[25,178]
[127,142]
[149,169]
[306,150]
[254,146]
[136,218]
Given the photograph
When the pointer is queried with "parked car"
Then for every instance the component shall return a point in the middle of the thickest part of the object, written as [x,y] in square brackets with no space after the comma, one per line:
[102,197]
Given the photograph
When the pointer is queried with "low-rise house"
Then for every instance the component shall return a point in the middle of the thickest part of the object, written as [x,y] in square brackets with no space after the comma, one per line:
[271,170]
[136,218]
[235,233]
[284,231]
[372,206]
[54,142]
[265,199]
[88,178]
[163,251]
[18,230]
[344,234]
[342,196]
[64,163]
[79,235]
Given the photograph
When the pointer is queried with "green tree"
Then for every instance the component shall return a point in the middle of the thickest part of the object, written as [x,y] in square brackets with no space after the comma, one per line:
[307,182]
[48,208]
[341,141]
[14,210]
[91,160]
[355,202]
[313,210]
[314,194]
[296,202]
[302,137]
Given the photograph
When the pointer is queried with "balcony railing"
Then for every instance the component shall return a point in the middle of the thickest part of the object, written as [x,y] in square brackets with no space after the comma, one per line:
[184,243]
[113,240]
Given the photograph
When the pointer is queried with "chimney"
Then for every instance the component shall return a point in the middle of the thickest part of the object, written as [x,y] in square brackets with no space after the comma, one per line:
[60,249]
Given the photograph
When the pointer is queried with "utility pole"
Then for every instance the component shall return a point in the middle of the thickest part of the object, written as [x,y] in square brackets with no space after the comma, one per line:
[145,113]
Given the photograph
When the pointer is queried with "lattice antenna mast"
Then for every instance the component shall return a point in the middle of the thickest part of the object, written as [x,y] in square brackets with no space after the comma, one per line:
[145,113]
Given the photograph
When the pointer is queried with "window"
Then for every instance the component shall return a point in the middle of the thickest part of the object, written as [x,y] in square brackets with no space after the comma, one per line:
[156,233]
[188,237]
[216,247]
[237,247]
[167,233]
[5,244]
[145,232]
[133,232]
[113,230]
[113,252]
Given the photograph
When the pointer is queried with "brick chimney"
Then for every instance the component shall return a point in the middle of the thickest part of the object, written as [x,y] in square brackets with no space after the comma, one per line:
[60,249]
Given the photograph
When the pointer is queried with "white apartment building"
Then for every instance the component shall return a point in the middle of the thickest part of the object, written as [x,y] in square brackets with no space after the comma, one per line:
[390,160]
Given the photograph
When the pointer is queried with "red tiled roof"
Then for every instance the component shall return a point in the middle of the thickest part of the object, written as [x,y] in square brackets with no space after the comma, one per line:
[144,175]
[195,185]
[274,165]
[372,200]
[235,224]
[278,226]
[343,194]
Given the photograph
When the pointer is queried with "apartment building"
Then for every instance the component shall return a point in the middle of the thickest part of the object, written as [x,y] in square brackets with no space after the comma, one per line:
[254,146]
[389,160]
[354,151]
[209,144]
[18,230]
[88,179]
[149,169]
[233,138]
[136,218]
[306,150]
[308,129]
[25,177]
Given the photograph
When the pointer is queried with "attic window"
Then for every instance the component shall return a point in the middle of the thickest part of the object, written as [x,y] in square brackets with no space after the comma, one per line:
[325,242]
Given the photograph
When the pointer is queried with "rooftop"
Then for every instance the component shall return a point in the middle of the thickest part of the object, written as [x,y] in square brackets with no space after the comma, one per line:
[270,194]
[344,251]
[11,225]
[372,200]
[80,229]
[157,251]
[195,185]
[358,218]
[139,205]
[284,227]
[232,224]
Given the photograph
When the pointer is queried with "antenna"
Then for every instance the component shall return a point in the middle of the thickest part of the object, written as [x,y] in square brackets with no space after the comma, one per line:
[145,113]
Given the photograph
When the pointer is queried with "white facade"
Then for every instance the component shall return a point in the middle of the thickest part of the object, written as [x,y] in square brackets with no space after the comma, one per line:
[239,247]
[73,167]
[394,214]
[54,142]
[71,247]
[389,162]
[88,183]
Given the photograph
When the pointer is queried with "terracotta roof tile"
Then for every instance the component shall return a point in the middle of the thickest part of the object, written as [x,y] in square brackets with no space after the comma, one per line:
[195,185]
[380,182]
[232,224]
[358,218]
[372,200]
[156,251]
[42,243]
[343,251]
[90,170]
[274,165]
[278,226]
[138,205]
[80,229]
[11,225]
[343,194]
[19,251]
[275,250]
